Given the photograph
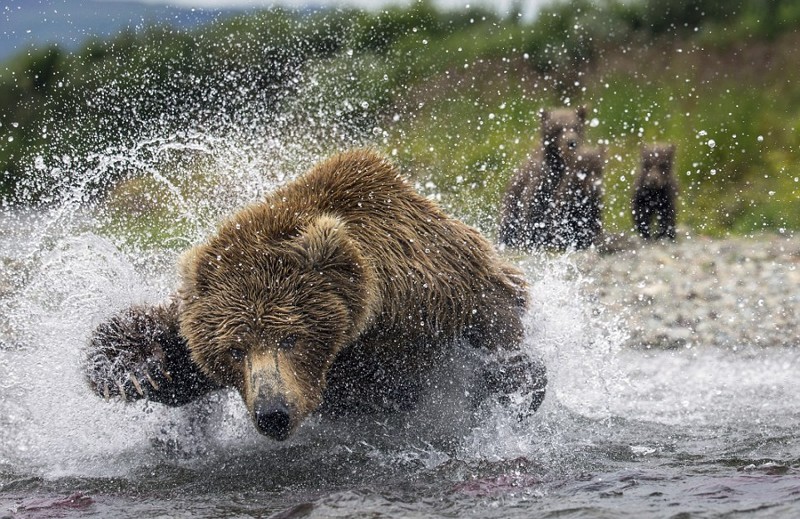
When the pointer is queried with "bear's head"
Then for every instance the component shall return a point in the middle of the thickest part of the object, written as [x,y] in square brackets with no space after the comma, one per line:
[562,130]
[656,164]
[267,311]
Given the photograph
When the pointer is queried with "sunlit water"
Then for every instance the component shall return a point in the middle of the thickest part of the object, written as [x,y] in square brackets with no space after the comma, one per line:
[693,433]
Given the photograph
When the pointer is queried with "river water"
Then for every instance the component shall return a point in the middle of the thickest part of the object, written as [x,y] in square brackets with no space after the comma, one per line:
[699,432]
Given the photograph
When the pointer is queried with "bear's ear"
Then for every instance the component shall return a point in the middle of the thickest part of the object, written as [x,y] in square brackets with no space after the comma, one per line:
[191,271]
[328,250]
[671,151]
[669,157]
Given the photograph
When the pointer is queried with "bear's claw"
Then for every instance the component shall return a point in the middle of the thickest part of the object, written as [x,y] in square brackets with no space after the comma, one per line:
[140,354]
[136,384]
[121,391]
[517,373]
[109,377]
[152,382]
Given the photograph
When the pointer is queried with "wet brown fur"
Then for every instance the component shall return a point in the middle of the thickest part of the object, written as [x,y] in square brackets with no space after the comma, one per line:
[343,257]
[341,284]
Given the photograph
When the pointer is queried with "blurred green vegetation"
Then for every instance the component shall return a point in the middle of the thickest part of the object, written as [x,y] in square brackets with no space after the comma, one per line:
[454,96]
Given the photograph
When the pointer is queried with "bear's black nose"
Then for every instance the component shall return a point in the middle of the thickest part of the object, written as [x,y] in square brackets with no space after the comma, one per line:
[272,419]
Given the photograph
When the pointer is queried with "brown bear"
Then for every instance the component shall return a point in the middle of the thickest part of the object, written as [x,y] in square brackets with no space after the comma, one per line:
[343,290]
[578,202]
[655,193]
[528,214]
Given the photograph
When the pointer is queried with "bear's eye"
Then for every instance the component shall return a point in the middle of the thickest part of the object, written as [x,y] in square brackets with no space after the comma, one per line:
[237,354]
[288,342]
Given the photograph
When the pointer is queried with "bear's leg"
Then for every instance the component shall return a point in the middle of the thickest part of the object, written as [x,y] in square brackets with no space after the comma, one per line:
[642,215]
[498,328]
[140,353]
[668,218]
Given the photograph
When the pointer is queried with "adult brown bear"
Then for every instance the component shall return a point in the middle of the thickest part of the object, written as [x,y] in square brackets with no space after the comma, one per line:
[343,290]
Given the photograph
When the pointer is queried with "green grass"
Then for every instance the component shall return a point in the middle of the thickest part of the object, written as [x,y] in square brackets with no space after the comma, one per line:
[735,131]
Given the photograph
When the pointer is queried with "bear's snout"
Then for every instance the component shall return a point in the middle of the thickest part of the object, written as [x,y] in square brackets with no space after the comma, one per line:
[272,418]
[274,394]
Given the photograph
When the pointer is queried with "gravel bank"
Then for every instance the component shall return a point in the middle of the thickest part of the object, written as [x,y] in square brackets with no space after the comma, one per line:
[735,293]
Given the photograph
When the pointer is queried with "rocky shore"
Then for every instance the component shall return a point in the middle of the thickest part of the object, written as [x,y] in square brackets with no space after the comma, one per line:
[735,293]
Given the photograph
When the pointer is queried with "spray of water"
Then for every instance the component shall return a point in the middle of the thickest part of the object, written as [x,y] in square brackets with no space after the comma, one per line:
[111,236]
[85,260]
[54,426]
[580,345]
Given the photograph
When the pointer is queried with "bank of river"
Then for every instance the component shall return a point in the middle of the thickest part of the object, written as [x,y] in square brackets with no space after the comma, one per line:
[702,292]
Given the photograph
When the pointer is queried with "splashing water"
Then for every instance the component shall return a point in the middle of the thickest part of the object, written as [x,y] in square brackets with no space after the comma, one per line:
[54,427]
[72,274]
[613,421]
[621,432]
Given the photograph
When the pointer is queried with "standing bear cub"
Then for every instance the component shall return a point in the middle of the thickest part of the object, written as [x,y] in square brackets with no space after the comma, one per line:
[532,217]
[655,192]
[344,290]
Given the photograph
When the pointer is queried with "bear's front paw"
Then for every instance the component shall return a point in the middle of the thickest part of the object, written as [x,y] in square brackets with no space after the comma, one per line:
[140,353]
[127,357]
[517,374]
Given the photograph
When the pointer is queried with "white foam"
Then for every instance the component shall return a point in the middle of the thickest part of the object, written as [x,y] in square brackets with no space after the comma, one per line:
[580,346]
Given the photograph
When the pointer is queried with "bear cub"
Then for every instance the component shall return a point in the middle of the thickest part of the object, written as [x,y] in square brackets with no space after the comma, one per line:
[549,203]
[344,290]
[578,202]
[655,193]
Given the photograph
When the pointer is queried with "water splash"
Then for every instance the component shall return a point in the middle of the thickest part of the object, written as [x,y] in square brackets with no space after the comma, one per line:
[606,406]
[111,237]
[54,426]
[580,345]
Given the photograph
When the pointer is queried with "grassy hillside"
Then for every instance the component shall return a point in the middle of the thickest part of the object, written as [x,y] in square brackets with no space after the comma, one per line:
[732,111]
[453,96]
